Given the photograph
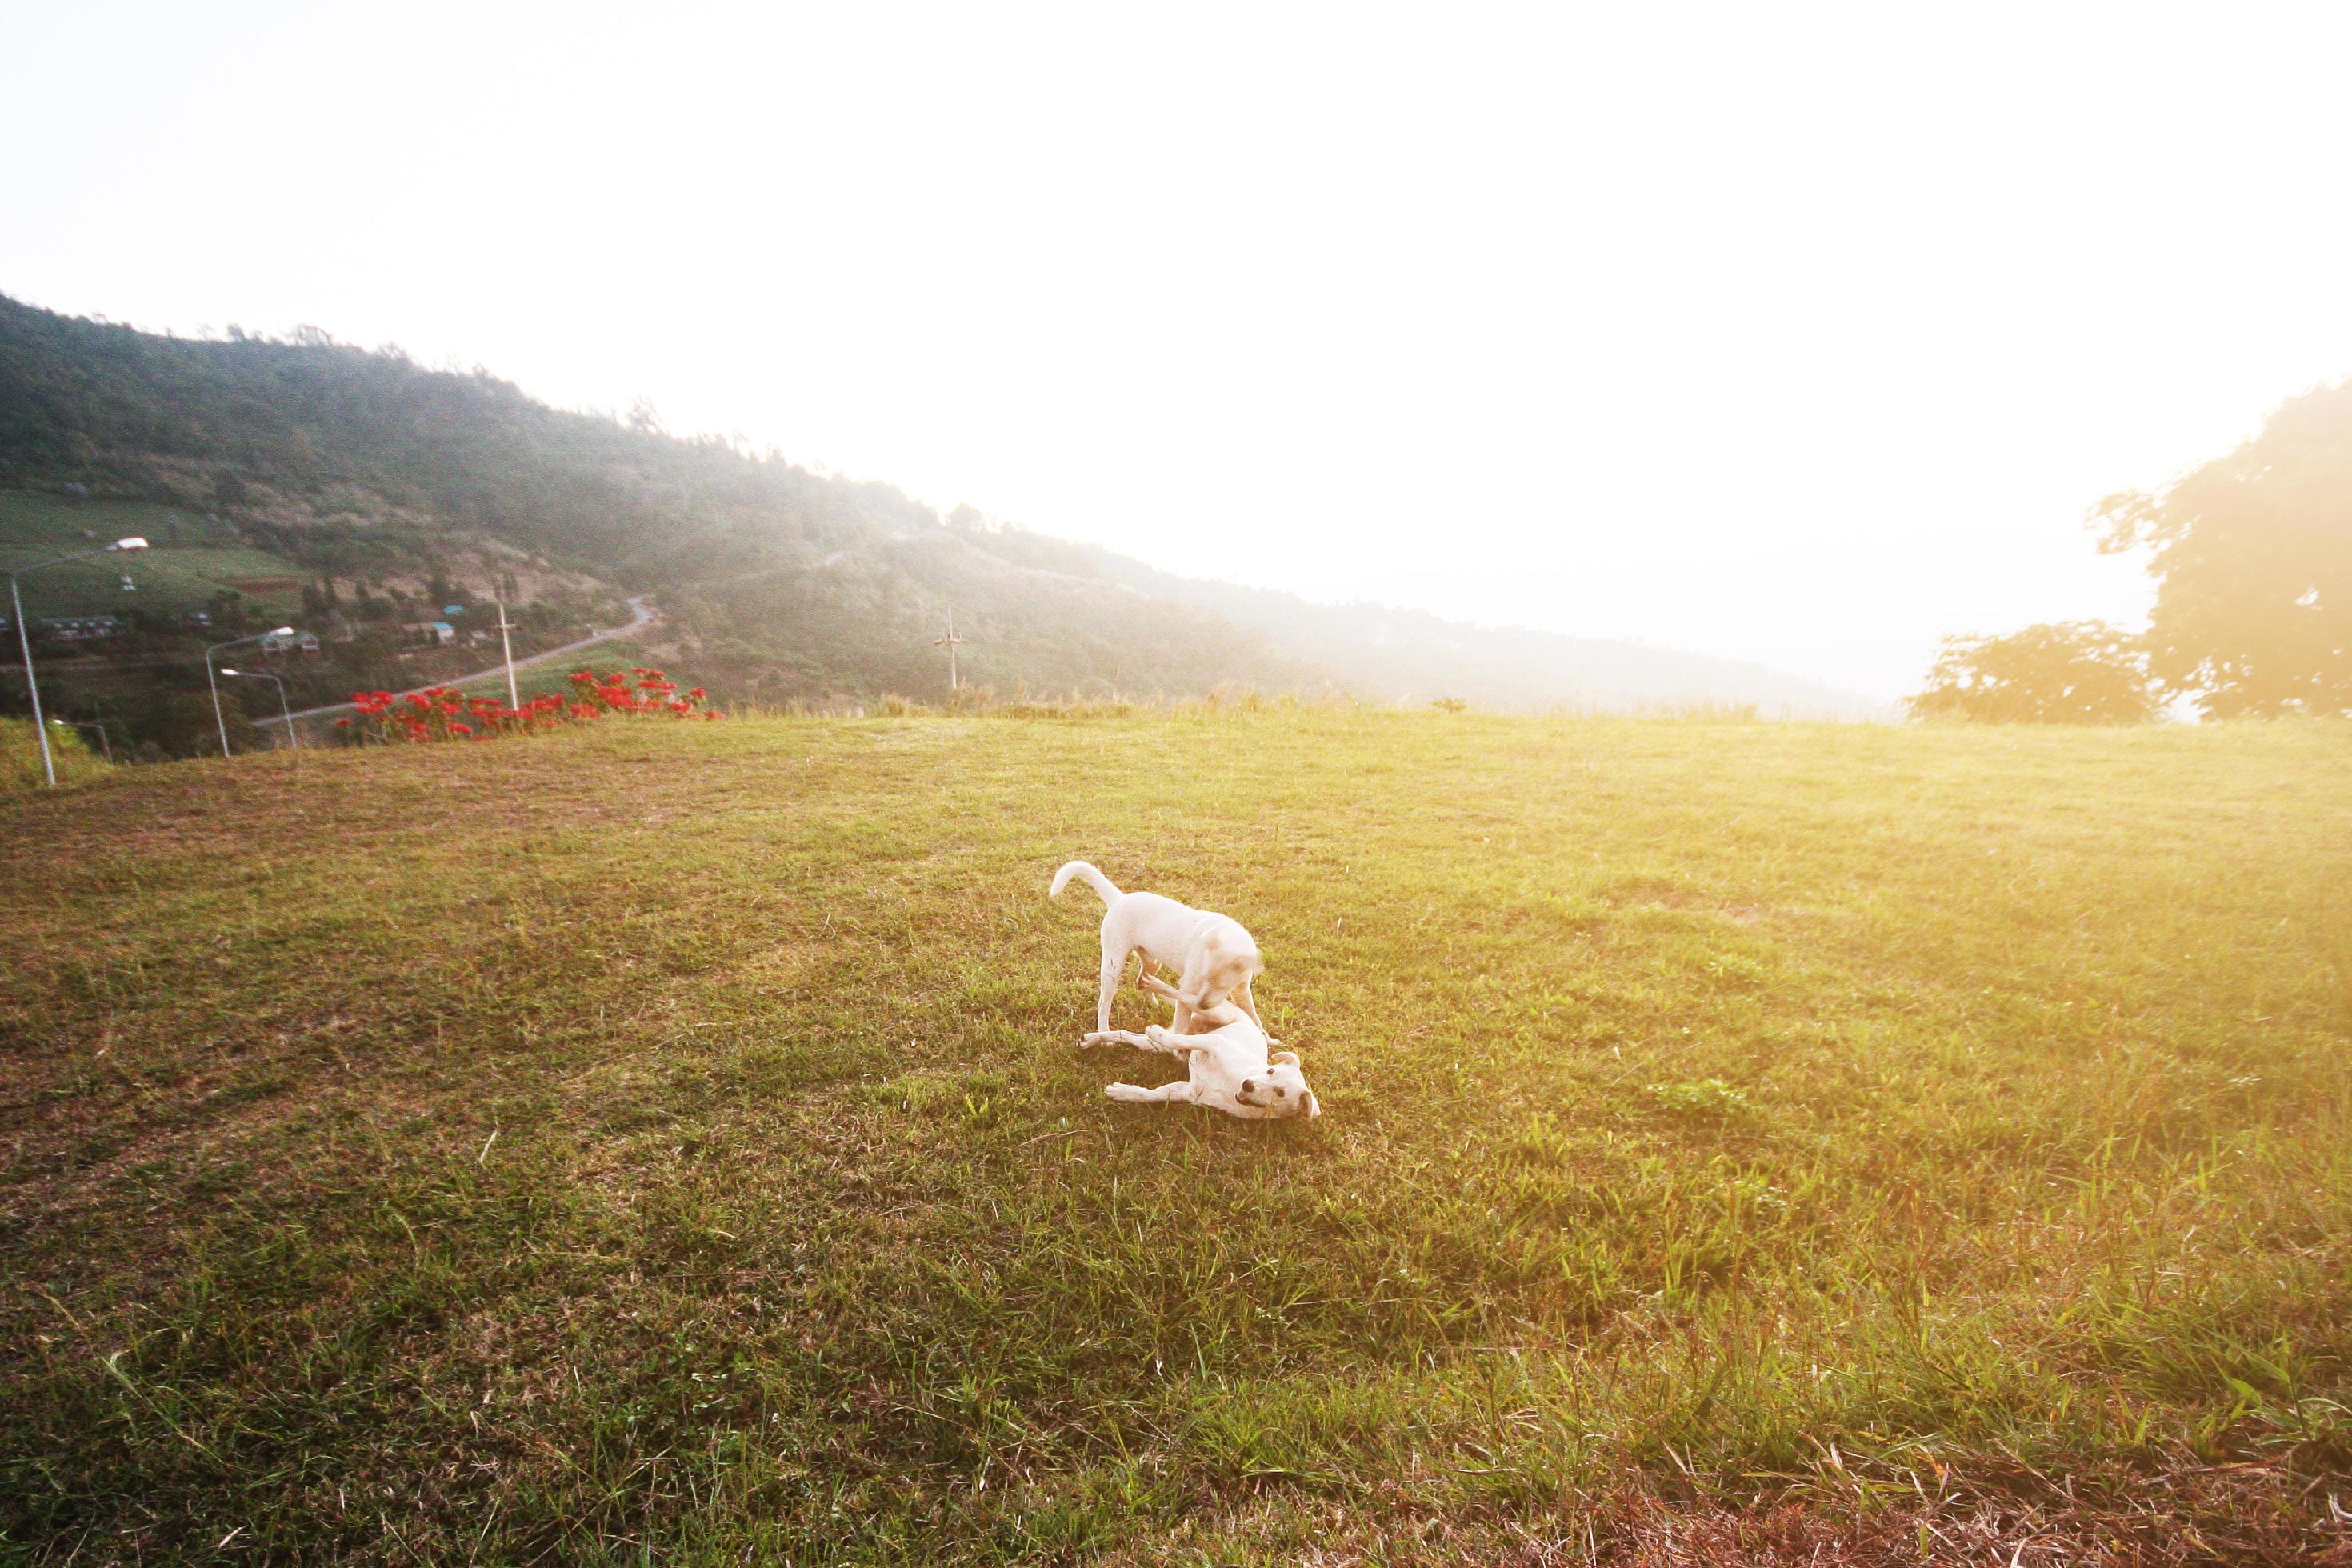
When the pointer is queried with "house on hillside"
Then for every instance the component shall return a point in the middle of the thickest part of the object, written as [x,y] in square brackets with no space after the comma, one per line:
[430,634]
[82,628]
[295,642]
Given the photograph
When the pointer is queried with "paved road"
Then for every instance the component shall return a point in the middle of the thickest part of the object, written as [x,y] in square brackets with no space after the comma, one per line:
[644,617]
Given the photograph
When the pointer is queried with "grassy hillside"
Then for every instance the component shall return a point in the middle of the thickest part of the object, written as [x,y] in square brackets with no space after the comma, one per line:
[147,681]
[73,757]
[788,585]
[668,1144]
[190,562]
[370,466]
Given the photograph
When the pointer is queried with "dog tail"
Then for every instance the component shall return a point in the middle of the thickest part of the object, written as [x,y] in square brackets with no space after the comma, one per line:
[1086,874]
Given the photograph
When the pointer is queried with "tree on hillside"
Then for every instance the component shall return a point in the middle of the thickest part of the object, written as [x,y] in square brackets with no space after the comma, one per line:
[2065,672]
[2253,557]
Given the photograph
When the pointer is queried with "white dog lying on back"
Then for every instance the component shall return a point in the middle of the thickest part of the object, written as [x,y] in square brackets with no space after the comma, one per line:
[1227,1068]
[1210,955]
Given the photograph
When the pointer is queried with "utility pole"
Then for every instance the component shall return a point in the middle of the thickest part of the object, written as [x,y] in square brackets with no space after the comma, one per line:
[951,642]
[506,646]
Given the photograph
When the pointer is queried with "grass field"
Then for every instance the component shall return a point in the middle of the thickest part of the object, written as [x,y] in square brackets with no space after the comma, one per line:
[664,1144]
[175,575]
[71,755]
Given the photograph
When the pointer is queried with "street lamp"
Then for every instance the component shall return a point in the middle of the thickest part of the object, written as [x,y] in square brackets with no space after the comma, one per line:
[97,724]
[24,637]
[219,723]
[291,738]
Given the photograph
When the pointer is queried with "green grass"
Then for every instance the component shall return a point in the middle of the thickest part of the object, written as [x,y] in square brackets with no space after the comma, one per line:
[555,675]
[69,754]
[185,565]
[664,1144]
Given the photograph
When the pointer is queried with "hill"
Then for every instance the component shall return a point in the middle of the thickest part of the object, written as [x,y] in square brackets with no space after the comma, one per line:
[1742,1143]
[779,584]
[195,560]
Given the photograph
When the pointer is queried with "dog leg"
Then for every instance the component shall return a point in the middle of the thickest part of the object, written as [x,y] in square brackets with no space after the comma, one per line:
[1174,1041]
[1112,968]
[1177,1093]
[1248,1003]
[1157,987]
[1193,994]
[1153,1038]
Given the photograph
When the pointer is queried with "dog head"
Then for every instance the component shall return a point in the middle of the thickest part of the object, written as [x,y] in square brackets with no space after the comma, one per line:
[1281,1089]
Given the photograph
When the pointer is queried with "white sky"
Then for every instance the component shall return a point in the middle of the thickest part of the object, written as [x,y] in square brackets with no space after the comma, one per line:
[1797,333]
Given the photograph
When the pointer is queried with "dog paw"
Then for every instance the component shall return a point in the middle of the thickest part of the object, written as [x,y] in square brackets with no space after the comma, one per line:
[1125,1091]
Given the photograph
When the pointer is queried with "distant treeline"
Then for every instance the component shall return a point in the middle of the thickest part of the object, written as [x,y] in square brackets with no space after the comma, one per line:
[2252,554]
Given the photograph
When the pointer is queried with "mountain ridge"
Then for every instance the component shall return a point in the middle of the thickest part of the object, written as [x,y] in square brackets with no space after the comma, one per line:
[788,585]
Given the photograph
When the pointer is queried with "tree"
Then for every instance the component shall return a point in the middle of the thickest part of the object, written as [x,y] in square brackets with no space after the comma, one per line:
[2252,558]
[2065,672]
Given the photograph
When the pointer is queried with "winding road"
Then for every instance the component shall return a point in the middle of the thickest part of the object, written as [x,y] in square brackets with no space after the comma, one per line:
[644,616]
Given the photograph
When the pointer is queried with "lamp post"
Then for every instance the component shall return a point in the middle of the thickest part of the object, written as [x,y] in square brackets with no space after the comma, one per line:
[291,738]
[220,723]
[98,724]
[24,637]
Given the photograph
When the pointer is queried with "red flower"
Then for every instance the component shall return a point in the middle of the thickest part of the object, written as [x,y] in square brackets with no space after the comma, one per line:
[343,723]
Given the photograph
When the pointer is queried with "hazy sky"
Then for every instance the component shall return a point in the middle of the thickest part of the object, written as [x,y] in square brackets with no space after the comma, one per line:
[1797,333]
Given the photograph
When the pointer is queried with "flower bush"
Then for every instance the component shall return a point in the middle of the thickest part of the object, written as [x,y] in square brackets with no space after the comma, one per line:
[442,714]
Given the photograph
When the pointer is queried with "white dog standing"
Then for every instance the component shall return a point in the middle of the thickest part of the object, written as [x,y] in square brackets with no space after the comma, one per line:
[1227,1068]
[1212,956]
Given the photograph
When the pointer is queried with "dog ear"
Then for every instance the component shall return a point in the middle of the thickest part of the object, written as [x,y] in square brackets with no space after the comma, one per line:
[1283,1058]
